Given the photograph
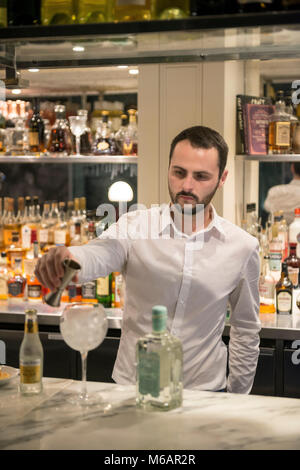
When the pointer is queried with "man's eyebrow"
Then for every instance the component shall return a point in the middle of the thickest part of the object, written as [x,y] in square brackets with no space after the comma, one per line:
[200,172]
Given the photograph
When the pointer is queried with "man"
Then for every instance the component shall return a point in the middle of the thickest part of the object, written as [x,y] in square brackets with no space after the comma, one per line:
[285,197]
[193,272]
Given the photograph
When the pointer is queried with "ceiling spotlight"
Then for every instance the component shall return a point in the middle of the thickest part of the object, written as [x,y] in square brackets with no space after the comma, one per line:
[133,71]
[16,91]
[33,70]
[78,48]
[122,66]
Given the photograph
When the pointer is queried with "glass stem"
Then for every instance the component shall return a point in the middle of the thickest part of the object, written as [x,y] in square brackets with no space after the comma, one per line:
[78,144]
[83,394]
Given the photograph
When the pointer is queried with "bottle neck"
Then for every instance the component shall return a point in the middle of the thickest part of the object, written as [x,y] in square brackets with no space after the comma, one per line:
[31,325]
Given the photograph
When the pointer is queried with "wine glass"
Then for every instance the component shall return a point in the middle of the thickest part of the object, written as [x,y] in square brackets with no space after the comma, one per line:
[77,126]
[83,327]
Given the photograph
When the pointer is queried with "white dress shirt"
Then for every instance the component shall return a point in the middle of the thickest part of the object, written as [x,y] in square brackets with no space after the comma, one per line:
[194,277]
[285,197]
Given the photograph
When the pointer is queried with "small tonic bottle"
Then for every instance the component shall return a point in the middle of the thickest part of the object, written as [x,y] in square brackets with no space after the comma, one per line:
[159,366]
[31,356]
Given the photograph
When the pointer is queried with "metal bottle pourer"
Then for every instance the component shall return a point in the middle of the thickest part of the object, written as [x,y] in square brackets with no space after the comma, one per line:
[71,268]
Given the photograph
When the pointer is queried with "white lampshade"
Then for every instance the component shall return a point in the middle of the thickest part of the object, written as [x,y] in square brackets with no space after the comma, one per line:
[120,191]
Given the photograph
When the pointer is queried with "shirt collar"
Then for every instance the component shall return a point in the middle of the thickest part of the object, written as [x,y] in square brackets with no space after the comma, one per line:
[166,221]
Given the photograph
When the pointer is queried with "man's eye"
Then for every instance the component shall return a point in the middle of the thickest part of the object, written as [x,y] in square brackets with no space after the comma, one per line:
[178,173]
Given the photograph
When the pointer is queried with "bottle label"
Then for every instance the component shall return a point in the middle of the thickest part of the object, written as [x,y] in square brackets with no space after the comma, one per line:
[60,237]
[282,134]
[293,275]
[33,139]
[275,261]
[284,302]
[266,289]
[26,237]
[88,290]
[103,286]
[149,373]
[122,3]
[11,237]
[34,291]
[43,235]
[30,371]
[15,289]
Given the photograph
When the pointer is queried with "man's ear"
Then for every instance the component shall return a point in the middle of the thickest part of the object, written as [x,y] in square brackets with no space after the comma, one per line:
[223,178]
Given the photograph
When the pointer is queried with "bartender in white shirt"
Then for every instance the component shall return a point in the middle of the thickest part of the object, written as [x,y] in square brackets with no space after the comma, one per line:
[285,197]
[194,272]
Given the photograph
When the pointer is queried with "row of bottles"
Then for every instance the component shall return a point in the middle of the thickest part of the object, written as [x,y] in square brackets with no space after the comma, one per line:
[28,234]
[284,128]
[55,12]
[279,247]
[18,137]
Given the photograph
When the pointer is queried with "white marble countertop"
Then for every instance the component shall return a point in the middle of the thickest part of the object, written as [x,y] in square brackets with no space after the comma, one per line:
[205,421]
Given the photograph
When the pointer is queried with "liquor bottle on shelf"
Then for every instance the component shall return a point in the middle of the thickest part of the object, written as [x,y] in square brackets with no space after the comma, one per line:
[61,232]
[21,209]
[34,287]
[36,132]
[103,290]
[86,137]
[120,134]
[279,128]
[266,289]
[16,282]
[117,298]
[280,231]
[20,13]
[293,266]
[104,142]
[76,239]
[43,232]
[172,9]
[3,13]
[251,220]
[26,225]
[293,118]
[74,291]
[130,143]
[31,356]
[60,138]
[159,366]
[11,228]
[94,11]
[294,231]
[55,12]
[284,292]
[132,10]
[3,276]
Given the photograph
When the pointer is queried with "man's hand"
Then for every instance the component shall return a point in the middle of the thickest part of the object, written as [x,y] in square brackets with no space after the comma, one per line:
[49,269]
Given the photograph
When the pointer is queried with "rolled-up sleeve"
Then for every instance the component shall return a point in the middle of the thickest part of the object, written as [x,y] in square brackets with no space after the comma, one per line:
[244,328]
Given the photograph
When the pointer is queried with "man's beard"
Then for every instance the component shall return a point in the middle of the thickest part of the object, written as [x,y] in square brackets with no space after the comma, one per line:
[200,204]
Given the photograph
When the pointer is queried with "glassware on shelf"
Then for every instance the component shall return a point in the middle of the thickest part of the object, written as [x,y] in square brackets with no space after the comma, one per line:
[78,126]
[17,138]
[36,133]
[171,9]
[86,137]
[104,142]
[130,142]
[60,137]
[266,289]
[120,134]
[55,12]
[84,327]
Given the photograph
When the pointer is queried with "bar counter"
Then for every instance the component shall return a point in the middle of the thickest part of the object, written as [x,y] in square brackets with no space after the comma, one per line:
[206,420]
[274,326]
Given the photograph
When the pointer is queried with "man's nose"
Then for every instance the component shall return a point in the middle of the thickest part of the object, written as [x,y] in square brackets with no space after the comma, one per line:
[188,184]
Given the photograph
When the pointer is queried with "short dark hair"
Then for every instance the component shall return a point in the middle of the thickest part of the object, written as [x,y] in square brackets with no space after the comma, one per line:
[203,137]
[297,168]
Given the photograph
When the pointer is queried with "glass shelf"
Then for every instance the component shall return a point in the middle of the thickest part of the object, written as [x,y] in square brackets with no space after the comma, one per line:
[271,158]
[54,158]
[207,38]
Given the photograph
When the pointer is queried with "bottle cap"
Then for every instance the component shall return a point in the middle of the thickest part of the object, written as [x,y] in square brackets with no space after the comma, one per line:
[159,318]
[31,311]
